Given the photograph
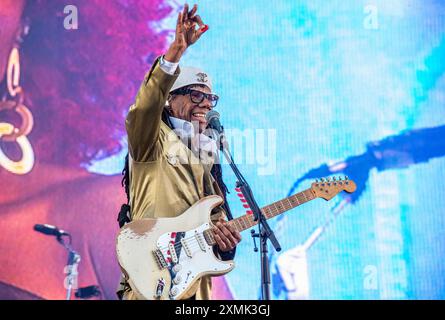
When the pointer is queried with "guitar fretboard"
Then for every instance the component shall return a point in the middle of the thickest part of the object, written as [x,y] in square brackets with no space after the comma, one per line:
[247,221]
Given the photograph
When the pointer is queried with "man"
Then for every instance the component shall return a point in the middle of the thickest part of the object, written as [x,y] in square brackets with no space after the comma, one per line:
[166,176]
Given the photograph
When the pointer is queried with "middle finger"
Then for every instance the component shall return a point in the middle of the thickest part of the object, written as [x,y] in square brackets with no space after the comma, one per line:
[224,238]
[226,231]
[185,13]
[193,11]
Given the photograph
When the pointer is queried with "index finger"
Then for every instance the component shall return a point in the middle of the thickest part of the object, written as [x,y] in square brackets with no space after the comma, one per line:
[185,12]
[193,11]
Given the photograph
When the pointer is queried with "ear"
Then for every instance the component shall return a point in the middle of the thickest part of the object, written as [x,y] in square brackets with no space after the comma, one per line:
[168,106]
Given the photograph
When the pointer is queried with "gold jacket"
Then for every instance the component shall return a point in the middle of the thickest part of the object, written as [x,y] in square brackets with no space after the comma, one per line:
[166,178]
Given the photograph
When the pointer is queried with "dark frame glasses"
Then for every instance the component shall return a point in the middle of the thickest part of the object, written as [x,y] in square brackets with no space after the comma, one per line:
[198,96]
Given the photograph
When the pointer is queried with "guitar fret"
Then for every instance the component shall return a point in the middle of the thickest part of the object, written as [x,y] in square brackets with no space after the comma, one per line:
[300,198]
[243,222]
[267,213]
[250,221]
[240,223]
[290,204]
[236,224]
[274,209]
[208,236]
[274,213]
[308,195]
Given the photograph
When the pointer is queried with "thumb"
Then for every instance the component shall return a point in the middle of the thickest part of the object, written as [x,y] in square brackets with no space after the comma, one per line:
[201,31]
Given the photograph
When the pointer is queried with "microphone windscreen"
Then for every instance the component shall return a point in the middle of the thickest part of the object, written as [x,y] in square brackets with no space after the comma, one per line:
[212,114]
[46,229]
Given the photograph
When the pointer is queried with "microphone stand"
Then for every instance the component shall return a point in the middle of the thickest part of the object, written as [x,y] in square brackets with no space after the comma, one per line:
[71,267]
[264,231]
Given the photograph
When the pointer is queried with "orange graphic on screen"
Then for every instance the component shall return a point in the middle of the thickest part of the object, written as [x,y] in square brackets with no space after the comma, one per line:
[63,99]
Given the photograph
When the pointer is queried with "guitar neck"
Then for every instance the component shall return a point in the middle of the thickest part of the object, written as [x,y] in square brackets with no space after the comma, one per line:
[247,221]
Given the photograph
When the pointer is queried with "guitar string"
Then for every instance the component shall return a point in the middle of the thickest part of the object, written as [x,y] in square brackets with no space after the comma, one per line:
[191,241]
[193,238]
[272,212]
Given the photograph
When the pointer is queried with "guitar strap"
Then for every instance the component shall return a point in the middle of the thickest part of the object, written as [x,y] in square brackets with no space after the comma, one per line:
[124,215]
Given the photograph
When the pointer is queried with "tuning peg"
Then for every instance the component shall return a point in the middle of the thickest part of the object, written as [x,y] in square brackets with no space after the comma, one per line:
[334,178]
[339,178]
[346,178]
[316,180]
[322,179]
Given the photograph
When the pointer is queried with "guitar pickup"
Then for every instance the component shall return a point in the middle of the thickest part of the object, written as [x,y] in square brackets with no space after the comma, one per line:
[200,241]
[186,248]
[172,249]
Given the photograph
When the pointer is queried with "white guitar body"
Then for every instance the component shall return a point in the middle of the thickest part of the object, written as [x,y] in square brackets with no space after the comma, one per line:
[151,277]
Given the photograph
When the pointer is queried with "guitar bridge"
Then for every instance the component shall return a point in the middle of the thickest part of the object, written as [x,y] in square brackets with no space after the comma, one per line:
[162,264]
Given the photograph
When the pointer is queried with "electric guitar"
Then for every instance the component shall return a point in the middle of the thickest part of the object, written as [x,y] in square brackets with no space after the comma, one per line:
[162,258]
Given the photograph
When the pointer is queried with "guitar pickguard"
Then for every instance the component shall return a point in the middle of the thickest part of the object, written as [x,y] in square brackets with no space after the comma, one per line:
[189,259]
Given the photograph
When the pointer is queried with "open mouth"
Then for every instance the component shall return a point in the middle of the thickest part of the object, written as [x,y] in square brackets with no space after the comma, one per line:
[199,115]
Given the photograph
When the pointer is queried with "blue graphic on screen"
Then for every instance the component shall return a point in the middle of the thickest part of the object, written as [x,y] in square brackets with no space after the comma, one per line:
[352,88]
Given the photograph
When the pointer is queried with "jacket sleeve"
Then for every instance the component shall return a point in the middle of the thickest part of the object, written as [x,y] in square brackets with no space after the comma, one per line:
[143,120]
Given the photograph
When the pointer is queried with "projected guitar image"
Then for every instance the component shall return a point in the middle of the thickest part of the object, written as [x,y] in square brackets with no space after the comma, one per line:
[164,257]
[394,152]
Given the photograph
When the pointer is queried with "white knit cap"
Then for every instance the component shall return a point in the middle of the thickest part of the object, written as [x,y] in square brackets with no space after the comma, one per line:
[191,75]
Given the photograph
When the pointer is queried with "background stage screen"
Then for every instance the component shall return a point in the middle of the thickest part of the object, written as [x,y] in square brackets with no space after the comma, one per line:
[308,89]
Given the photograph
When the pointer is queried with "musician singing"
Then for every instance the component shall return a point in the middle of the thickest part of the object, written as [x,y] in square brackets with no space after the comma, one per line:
[169,113]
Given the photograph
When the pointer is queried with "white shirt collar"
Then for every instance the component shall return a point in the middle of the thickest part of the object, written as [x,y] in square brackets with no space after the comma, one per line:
[186,130]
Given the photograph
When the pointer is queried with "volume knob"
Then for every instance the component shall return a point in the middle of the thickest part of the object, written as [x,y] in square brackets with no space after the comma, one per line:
[177,279]
[173,292]
[177,268]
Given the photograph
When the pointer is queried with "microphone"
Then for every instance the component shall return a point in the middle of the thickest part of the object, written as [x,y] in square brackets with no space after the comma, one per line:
[50,230]
[212,118]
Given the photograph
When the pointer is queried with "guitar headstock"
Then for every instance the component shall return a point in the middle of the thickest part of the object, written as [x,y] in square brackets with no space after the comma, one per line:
[327,188]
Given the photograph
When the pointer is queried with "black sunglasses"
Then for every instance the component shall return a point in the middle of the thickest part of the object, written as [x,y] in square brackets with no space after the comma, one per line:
[198,96]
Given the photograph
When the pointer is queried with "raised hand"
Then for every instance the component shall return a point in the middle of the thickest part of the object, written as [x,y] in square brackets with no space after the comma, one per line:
[186,32]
